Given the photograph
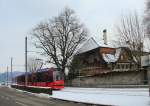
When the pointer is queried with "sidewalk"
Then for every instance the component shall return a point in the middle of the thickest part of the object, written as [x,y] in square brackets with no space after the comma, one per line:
[105,96]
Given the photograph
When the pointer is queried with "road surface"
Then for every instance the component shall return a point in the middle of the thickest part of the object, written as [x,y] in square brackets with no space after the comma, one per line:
[11,97]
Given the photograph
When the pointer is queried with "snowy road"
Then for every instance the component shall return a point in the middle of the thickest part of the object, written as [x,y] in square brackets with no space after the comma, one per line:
[106,96]
[13,97]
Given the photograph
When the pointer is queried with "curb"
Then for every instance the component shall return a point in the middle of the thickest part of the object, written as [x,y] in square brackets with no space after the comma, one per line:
[88,104]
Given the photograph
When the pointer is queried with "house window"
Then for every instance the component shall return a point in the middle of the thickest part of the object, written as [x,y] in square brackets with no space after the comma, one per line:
[118,66]
[121,57]
[126,66]
[122,66]
[133,66]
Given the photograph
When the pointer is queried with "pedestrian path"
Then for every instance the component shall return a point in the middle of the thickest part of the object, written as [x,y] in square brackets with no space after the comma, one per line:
[106,96]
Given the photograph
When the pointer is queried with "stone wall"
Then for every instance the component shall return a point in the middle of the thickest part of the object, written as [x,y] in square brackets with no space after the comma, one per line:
[110,79]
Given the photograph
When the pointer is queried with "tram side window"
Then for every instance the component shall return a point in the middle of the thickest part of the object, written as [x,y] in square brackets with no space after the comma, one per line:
[29,78]
[18,79]
[58,75]
[50,77]
[42,77]
[38,77]
[34,78]
[46,76]
[23,78]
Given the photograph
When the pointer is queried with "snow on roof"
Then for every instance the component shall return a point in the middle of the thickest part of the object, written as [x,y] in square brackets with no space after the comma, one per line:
[41,70]
[109,45]
[109,58]
[135,59]
[112,57]
[89,45]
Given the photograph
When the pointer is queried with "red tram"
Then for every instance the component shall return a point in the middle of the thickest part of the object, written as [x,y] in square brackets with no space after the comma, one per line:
[48,77]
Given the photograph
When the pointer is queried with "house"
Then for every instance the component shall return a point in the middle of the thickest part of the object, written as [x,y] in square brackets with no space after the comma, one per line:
[105,65]
[102,59]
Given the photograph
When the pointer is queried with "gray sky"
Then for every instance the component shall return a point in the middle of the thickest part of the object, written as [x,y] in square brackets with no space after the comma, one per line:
[18,17]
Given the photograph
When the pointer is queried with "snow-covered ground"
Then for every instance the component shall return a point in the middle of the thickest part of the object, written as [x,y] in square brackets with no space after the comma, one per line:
[103,96]
[106,96]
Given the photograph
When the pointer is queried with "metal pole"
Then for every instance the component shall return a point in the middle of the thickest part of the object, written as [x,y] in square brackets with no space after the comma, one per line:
[11,69]
[148,75]
[7,75]
[26,76]
[79,78]
[0,78]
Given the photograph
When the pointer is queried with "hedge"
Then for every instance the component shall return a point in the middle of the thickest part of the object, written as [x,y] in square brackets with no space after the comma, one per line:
[33,89]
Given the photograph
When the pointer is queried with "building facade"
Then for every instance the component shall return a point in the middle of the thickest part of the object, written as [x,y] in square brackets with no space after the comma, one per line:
[96,59]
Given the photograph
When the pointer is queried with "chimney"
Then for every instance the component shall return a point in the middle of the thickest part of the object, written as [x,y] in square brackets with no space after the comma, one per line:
[105,36]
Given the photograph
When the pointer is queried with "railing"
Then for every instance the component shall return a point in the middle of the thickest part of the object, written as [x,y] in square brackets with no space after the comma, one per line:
[93,71]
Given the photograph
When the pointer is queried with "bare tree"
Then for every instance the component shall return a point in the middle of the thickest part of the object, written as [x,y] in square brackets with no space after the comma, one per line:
[74,67]
[147,22]
[131,34]
[147,18]
[60,37]
[34,64]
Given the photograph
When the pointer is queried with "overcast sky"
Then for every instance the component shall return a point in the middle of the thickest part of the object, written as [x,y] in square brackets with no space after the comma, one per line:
[18,17]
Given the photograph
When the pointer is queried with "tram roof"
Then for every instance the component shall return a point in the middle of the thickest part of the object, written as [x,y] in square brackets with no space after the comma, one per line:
[38,70]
